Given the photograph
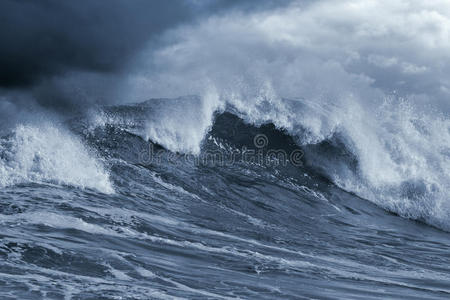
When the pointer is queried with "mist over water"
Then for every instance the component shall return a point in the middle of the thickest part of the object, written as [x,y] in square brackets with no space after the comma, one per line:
[359,90]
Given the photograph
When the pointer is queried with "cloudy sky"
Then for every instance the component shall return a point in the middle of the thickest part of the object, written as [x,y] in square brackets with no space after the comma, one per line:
[66,54]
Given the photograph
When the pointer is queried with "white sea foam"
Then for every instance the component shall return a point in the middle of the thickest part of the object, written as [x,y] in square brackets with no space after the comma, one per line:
[182,125]
[46,153]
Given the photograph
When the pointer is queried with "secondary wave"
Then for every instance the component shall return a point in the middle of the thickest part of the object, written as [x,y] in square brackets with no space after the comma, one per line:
[46,153]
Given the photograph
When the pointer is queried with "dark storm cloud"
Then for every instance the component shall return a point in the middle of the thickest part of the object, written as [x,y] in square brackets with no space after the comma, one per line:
[71,54]
[246,4]
[48,37]
[40,39]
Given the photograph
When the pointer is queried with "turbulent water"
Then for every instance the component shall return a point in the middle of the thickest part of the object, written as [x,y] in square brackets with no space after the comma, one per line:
[187,198]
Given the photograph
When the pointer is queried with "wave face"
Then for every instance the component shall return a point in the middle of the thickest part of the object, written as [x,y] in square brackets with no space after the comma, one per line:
[201,197]
[392,154]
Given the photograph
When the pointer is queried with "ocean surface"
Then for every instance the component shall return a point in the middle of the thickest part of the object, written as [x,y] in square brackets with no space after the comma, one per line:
[185,199]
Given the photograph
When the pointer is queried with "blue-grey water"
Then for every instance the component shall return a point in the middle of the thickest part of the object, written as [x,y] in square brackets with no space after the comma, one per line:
[101,212]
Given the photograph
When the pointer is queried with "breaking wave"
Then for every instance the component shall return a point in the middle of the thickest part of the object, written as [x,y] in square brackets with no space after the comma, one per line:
[46,153]
[391,154]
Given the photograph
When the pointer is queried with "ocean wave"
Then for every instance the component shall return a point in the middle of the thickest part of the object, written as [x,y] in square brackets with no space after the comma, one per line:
[390,154]
[47,153]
